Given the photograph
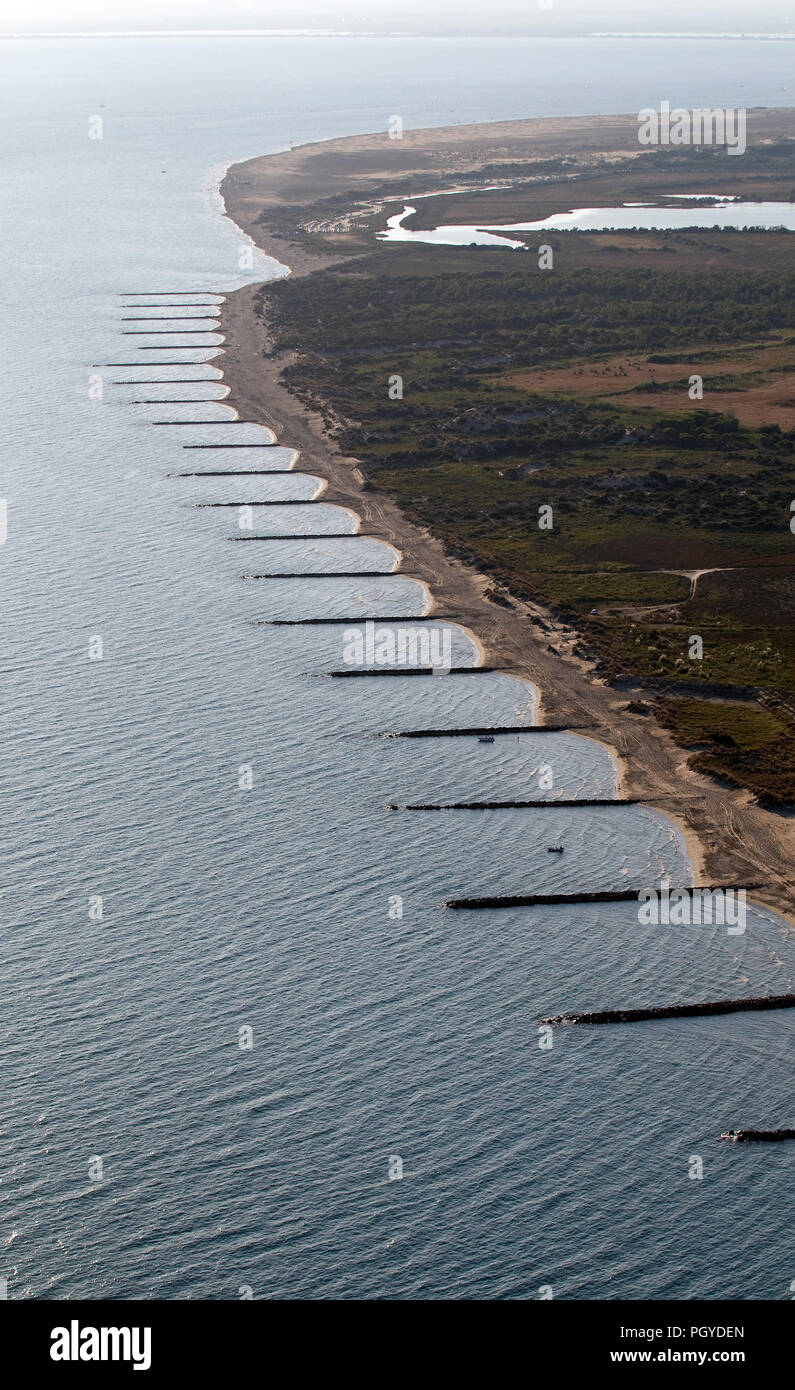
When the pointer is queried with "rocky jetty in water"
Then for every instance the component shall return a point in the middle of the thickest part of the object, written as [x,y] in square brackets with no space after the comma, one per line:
[747,1136]
[718,1006]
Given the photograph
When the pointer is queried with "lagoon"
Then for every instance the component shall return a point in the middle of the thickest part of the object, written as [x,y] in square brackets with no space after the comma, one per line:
[648,217]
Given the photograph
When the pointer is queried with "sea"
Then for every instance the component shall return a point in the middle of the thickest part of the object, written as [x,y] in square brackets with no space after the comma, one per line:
[247,1052]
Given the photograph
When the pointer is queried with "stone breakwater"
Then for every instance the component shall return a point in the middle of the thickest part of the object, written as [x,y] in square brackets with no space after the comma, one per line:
[719,1006]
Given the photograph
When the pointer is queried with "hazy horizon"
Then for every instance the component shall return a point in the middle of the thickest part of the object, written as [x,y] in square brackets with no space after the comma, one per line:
[529,17]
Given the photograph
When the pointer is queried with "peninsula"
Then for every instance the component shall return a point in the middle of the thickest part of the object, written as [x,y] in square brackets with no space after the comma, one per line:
[523,387]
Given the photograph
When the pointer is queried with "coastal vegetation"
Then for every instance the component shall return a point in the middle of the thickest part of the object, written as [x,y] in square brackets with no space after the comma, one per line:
[541,424]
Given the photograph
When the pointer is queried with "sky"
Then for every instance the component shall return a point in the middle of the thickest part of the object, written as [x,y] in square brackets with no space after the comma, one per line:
[431,16]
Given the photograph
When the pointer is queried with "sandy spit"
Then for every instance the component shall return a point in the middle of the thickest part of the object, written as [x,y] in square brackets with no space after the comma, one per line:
[730,839]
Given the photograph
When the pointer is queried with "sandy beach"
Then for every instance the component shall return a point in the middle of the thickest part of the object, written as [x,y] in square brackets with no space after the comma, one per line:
[730,839]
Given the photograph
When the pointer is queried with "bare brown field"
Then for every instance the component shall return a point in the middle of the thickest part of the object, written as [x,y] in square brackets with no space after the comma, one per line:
[617,379]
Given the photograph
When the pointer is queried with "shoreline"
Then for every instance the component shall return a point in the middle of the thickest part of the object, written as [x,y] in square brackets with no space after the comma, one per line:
[728,838]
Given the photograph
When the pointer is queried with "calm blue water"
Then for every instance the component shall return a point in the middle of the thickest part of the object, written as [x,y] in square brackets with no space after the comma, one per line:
[268,908]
